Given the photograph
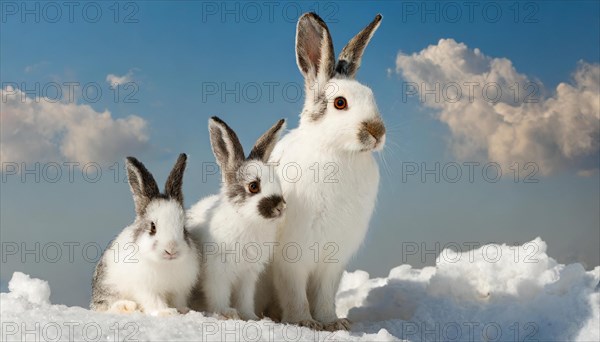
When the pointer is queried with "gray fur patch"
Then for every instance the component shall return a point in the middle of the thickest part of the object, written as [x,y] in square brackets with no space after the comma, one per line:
[229,155]
[236,192]
[102,296]
[189,238]
[342,67]
[372,128]
[320,108]
[139,229]
[174,184]
[265,144]
[267,207]
[142,184]
[350,57]
[311,34]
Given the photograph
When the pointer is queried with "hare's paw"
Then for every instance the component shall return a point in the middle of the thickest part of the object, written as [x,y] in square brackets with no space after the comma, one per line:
[338,324]
[229,313]
[249,316]
[183,310]
[164,312]
[124,306]
[311,324]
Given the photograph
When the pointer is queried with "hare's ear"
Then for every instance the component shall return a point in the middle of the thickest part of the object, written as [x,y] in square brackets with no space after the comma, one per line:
[142,184]
[174,184]
[226,147]
[265,144]
[314,49]
[349,59]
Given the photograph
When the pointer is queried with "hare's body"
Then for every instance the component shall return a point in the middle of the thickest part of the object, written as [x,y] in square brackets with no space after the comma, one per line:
[329,178]
[210,220]
[153,264]
[165,285]
[327,217]
[334,208]
[235,253]
[237,228]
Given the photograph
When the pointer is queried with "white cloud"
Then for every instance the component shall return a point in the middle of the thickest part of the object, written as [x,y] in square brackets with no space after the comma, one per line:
[587,172]
[113,79]
[557,131]
[40,130]
[33,67]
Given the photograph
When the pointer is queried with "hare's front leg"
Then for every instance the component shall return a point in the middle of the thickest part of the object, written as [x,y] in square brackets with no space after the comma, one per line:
[217,289]
[180,301]
[323,287]
[123,306]
[290,285]
[245,295]
[154,304]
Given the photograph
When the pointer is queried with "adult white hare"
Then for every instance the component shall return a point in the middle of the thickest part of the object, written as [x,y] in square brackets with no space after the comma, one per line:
[329,179]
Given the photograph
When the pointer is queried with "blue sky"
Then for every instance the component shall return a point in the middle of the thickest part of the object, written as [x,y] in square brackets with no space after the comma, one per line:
[176,51]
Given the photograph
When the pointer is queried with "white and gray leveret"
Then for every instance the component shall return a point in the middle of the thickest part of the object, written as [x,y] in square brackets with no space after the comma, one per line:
[153,264]
[328,211]
[237,226]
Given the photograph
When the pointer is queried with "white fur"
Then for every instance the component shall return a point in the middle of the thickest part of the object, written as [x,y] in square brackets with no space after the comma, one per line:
[335,216]
[235,243]
[336,132]
[328,215]
[236,240]
[139,272]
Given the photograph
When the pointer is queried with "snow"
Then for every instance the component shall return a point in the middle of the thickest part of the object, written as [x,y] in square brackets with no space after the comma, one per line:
[494,293]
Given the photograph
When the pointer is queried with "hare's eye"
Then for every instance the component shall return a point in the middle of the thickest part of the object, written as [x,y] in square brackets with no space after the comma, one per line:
[340,103]
[152,228]
[254,187]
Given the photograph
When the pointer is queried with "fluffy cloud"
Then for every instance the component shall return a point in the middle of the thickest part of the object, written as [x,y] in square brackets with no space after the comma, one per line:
[113,79]
[520,124]
[41,130]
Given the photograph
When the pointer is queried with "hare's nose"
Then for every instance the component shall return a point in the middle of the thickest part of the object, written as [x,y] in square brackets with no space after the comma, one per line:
[170,255]
[375,128]
[280,208]
[171,248]
[271,206]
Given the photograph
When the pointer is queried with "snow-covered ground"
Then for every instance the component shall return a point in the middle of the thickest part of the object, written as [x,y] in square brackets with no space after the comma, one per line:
[494,293]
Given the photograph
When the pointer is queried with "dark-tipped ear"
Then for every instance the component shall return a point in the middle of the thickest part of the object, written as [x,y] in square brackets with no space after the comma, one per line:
[142,184]
[265,144]
[314,49]
[226,147]
[349,59]
[174,184]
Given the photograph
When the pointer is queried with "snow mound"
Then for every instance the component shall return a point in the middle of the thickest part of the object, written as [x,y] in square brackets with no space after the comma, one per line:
[34,291]
[494,293]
